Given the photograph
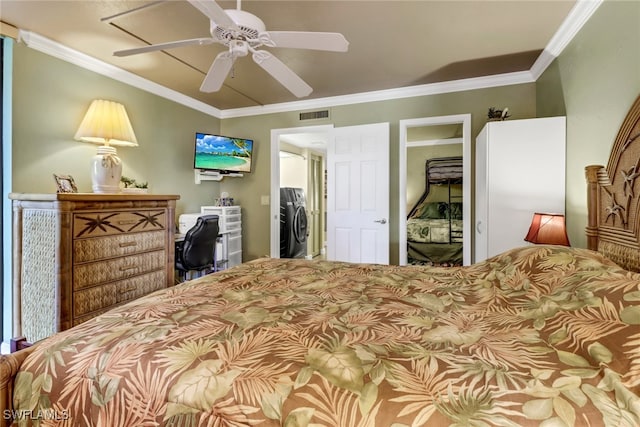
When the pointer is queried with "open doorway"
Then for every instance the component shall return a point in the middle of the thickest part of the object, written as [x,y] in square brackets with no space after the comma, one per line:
[298,160]
[357,191]
[443,137]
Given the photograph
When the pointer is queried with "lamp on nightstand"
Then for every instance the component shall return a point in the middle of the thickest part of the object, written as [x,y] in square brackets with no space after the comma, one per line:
[548,228]
[107,124]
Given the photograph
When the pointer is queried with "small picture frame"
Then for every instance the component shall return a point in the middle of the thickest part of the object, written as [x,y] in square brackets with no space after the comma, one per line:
[65,183]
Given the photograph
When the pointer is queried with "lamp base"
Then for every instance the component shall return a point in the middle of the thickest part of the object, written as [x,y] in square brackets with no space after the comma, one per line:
[106,170]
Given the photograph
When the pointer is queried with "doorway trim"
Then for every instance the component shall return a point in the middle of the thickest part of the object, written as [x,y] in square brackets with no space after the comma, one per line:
[274,198]
[465,120]
[316,200]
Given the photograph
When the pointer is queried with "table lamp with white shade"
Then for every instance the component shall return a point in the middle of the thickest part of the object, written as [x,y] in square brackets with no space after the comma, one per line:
[107,124]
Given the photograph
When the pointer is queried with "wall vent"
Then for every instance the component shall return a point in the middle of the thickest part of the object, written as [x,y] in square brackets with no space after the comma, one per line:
[314,115]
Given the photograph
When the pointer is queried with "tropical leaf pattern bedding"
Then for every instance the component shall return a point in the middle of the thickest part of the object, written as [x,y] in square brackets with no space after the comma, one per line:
[537,336]
[434,230]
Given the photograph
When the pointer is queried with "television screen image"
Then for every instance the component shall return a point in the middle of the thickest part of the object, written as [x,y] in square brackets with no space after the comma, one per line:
[222,153]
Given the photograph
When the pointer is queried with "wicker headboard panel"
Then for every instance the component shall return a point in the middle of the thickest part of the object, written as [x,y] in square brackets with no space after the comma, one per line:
[613,197]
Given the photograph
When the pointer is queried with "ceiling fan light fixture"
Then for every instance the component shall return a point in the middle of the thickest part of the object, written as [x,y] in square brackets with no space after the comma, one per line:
[242,32]
[238,48]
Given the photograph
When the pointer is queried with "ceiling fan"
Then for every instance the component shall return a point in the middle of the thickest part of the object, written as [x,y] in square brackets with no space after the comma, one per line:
[242,32]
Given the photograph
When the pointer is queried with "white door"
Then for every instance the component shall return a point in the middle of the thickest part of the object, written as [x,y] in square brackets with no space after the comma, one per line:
[358,194]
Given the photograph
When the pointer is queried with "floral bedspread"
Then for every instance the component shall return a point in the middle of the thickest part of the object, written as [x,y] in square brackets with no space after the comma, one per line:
[538,336]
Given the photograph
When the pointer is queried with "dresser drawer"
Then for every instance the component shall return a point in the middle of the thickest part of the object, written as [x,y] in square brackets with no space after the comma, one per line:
[89,302]
[94,273]
[94,249]
[95,224]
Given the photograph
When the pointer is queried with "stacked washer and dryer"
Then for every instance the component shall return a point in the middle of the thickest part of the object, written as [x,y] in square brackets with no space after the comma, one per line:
[293,223]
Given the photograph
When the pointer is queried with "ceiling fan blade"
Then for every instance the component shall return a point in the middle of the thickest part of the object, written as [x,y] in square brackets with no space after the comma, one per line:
[334,42]
[282,73]
[218,72]
[214,12]
[163,46]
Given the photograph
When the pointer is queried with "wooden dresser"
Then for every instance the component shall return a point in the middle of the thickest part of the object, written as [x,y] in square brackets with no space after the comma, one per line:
[78,255]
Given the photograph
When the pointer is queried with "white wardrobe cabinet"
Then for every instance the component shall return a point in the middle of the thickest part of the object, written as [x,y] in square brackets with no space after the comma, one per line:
[520,170]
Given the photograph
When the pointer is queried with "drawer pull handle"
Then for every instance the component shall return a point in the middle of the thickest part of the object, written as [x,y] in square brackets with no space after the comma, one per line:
[131,221]
[131,267]
[127,244]
[129,289]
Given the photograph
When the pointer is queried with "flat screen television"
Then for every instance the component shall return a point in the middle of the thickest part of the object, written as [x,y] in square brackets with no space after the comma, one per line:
[223,154]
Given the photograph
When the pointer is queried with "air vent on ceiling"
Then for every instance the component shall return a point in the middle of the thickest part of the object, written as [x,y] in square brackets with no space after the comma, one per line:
[314,115]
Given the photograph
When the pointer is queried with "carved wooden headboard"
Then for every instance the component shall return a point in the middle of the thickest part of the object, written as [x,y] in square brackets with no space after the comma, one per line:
[613,197]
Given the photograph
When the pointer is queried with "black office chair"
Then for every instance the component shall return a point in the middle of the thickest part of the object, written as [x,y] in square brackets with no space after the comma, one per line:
[197,252]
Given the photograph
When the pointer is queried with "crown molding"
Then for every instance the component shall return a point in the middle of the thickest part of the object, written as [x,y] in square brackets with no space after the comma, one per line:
[57,50]
[386,95]
[578,16]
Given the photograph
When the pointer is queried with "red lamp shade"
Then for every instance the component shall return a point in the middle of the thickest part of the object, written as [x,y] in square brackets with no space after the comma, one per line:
[548,229]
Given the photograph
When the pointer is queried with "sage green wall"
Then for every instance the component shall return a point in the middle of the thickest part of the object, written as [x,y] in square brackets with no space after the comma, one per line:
[521,100]
[595,80]
[50,98]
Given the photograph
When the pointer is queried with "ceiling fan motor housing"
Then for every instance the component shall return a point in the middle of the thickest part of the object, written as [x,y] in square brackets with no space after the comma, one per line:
[250,27]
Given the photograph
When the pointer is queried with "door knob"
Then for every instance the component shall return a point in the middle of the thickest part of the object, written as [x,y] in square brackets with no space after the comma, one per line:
[381,221]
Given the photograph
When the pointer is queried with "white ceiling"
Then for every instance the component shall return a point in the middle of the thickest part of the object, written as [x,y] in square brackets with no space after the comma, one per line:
[392,44]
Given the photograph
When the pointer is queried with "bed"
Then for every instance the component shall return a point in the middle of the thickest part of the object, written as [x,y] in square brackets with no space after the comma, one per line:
[536,336]
[434,228]
[516,340]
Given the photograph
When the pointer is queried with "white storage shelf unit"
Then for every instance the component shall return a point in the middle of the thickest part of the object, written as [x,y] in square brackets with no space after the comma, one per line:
[230,223]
